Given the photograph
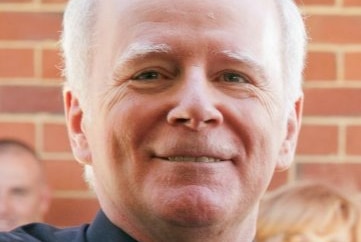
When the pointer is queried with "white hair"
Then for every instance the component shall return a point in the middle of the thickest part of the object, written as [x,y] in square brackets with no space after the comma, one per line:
[78,36]
[76,43]
[293,47]
[89,176]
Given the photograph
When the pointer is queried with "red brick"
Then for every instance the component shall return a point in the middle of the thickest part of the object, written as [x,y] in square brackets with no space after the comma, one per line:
[29,99]
[71,212]
[56,138]
[320,66]
[332,101]
[65,175]
[353,139]
[334,29]
[16,62]
[353,66]
[351,2]
[23,131]
[318,140]
[51,64]
[30,26]
[340,174]
[315,2]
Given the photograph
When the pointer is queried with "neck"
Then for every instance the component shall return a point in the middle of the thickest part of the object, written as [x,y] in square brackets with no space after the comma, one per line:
[242,230]
[236,233]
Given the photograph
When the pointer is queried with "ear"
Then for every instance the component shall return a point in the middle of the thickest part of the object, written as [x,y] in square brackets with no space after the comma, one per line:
[289,144]
[76,128]
[45,199]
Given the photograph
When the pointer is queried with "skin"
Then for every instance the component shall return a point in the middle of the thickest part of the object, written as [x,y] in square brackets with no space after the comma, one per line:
[211,90]
[24,198]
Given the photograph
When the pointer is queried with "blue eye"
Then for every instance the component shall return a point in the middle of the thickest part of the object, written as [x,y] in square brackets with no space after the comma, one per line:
[234,77]
[148,75]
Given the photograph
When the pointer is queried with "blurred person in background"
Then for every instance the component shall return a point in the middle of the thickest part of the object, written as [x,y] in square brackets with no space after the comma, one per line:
[24,194]
[309,211]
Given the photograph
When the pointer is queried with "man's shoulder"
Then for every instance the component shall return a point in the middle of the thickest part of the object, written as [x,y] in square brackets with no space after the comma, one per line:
[38,232]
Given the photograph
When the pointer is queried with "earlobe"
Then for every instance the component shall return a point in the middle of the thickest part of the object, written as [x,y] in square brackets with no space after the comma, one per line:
[289,144]
[44,204]
[75,124]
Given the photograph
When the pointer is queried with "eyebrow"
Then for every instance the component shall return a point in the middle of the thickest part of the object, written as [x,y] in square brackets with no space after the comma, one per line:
[138,50]
[246,60]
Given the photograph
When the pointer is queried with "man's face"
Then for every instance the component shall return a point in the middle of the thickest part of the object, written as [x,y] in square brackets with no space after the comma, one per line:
[186,120]
[22,192]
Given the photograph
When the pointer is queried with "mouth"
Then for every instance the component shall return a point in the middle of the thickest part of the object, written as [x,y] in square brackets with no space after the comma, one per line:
[196,153]
[197,159]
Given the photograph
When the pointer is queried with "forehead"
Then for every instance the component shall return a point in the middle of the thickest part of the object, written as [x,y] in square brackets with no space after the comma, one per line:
[187,7]
[249,27]
[195,14]
[19,168]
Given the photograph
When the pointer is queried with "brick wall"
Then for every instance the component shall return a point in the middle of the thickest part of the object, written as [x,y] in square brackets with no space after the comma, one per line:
[330,141]
[31,105]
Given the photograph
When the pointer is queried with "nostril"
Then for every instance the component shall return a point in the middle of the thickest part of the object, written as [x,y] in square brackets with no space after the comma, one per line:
[182,120]
[209,121]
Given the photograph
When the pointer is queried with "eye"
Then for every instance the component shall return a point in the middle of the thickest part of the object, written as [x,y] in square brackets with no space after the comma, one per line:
[19,191]
[148,75]
[234,77]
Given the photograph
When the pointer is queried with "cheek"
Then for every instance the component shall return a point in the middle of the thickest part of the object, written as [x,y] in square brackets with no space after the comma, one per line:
[114,142]
[258,129]
[26,206]
[259,134]
[134,122]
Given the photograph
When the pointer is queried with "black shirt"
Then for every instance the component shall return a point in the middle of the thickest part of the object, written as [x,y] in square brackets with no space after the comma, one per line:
[100,230]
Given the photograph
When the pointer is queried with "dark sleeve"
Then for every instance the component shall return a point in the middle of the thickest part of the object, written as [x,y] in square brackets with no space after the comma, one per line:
[44,233]
[15,237]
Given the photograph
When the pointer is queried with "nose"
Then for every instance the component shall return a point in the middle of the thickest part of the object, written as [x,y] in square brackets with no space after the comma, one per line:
[195,106]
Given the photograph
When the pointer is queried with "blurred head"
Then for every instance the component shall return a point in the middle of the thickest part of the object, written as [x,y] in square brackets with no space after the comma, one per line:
[182,110]
[24,196]
[309,212]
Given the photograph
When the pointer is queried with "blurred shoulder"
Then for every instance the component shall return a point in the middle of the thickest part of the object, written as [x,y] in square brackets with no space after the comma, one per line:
[38,232]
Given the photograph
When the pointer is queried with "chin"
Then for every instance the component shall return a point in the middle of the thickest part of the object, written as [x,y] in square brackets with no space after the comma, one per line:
[191,206]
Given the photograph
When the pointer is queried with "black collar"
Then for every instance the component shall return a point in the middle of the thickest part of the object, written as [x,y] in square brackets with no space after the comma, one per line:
[102,229]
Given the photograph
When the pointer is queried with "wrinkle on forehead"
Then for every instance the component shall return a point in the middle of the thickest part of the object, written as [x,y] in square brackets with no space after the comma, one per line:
[158,10]
[122,18]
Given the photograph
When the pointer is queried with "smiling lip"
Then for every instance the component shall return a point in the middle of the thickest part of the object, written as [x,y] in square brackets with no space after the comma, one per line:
[198,159]
[194,152]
